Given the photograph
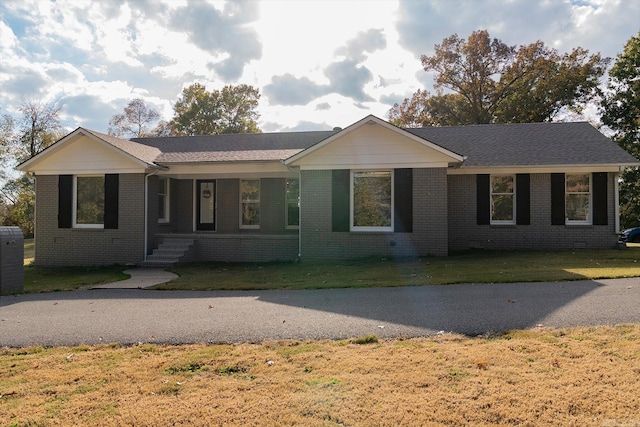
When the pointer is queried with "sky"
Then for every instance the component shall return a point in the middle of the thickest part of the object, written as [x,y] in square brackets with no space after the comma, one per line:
[317,64]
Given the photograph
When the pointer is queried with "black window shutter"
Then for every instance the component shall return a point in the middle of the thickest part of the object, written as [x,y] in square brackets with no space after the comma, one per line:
[523,204]
[557,199]
[483,204]
[403,200]
[340,206]
[599,182]
[65,200]
[111,184]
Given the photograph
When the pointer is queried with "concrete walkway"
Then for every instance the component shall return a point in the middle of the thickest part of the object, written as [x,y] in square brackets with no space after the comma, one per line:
[140,278]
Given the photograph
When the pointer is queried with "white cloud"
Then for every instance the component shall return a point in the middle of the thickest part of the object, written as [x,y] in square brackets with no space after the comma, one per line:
[316,62]
[8,40]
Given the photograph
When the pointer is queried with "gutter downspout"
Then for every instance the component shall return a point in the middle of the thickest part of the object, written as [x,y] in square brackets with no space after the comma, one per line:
[616,185]
[300,215]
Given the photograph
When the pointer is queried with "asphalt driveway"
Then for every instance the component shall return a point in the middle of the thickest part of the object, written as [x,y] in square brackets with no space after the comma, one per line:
[130,316]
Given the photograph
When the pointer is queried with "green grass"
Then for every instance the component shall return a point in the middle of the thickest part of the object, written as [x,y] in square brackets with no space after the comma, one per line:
[29,251]
[467,267]
[367,339]
[53,279]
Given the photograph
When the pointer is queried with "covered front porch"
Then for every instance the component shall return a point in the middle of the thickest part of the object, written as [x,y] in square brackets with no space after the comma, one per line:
[247,218]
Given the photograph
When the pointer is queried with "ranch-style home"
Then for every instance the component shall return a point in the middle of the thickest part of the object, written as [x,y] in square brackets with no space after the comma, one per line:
[371,189]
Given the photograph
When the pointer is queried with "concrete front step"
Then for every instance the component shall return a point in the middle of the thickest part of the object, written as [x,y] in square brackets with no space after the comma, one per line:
[161,264]
[168,253]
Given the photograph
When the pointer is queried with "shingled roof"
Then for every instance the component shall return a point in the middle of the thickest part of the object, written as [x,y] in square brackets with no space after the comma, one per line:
[495,145]
[232,147]
[528,144]
[523,144]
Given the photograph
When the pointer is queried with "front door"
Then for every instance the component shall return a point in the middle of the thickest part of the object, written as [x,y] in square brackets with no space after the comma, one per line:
[206,205]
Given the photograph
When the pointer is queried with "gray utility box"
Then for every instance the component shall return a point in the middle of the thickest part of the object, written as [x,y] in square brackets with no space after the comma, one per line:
[11,260]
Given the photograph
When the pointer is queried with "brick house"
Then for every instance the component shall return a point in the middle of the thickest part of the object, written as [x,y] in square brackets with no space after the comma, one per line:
[369,189]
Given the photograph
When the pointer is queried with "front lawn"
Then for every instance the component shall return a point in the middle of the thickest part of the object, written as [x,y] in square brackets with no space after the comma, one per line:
[53,279]
[468,267]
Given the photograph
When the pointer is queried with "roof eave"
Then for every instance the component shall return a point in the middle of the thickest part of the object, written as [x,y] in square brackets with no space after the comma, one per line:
[370,120]
[23,167]
[216,162]
[541,168]
[80,131]
[91,134]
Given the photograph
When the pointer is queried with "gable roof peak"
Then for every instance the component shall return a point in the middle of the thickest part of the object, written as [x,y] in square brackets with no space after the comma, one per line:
[371,120]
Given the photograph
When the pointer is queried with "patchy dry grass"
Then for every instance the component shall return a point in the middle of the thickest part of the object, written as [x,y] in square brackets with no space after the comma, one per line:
[578,376]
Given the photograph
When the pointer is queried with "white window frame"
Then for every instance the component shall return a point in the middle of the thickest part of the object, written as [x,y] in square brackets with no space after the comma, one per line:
[351,202]
[492,221]
[286,205]
[74,213]
[251,226]
[589,219]
[167,198]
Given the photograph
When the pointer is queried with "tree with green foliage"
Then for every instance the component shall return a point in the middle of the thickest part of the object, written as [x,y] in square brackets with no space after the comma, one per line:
[38,127]
[6,134]
[230,110]
[134,122]
[18,197]
[482,80]
[620,109]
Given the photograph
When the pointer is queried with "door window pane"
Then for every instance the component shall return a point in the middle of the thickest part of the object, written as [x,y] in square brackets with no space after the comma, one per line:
[207,202]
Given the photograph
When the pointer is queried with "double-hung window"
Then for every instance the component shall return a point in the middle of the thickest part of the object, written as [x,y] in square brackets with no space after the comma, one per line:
[163,199]
[578,198]
[292,191]
[249,203]
[88,206]
[503,190]
[371,200]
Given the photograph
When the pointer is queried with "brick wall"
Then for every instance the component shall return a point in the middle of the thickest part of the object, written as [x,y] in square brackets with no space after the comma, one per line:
[464,233]
[182,195]
[72,246]
[429,236]
[228,205]
[245,248]
[272,209]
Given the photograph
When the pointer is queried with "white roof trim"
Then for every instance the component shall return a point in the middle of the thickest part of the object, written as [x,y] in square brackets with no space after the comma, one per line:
[472,170]
[371,120]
